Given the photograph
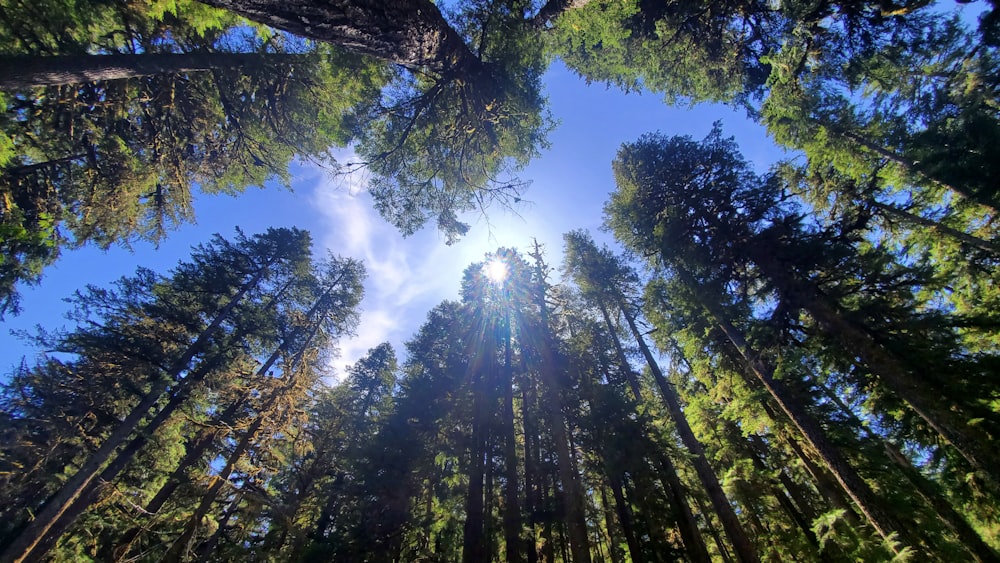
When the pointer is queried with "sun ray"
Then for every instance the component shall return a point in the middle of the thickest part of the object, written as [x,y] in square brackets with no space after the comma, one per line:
[496,270]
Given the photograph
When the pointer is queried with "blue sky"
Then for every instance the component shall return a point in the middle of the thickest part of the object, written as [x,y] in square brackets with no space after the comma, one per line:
[408,276]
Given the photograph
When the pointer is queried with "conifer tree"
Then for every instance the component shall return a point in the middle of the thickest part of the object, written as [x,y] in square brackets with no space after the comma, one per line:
[727,242]
[116,160]
[226,292]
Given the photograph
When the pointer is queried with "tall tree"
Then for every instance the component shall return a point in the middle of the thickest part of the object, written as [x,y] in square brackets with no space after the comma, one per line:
[741,220]
[606,278]
[726,236]
[115,161]
[573,500]
[227,284]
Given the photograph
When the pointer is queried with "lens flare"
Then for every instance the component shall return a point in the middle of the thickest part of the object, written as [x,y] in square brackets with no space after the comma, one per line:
[496,270]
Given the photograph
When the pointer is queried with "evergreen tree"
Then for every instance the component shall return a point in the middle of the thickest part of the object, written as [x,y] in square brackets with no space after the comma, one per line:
[731,242]
[607,279]
[231,292]
[200,102]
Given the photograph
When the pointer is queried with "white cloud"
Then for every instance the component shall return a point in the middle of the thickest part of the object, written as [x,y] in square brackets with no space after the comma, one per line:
[405,276]
[376,328]
[408,276]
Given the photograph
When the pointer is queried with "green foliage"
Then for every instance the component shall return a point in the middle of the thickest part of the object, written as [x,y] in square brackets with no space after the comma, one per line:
[733,245]
[151,339]
[826,328]
[113,162]
[440,146]
[23,253]
[688,52]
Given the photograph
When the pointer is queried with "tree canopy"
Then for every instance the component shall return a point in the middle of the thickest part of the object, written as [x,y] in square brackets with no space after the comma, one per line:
[780,361]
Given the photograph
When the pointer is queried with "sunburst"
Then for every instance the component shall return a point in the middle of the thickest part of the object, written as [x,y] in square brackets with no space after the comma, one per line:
[495,270]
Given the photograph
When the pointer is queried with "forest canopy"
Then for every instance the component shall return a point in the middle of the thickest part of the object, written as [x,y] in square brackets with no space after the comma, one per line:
[797,360]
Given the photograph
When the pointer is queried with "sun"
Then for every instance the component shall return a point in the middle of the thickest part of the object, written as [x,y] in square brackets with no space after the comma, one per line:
[495,270]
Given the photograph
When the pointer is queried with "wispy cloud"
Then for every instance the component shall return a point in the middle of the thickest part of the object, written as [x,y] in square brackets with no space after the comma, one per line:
[405,276]
[408,276]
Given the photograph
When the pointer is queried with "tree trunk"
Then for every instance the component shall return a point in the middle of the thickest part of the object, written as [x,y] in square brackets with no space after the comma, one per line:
[206,548]
[124,456]
[906,164]
[614,551]
[182,544]
[923,400]
[552,9]
[757,455]
[742,545]
[633,382]
[27,169]
[856,487]
[960,236]
[120,461]
[410,33]
[548,535]
[194,449]
[809,428]
[826,483]
[532,477]
[24,72]
[624,512]
[512,509]
[473,545]
[924,487]
[693,540]
[24,545]
[489,536]
[714,532]
[686,523]
[572,492]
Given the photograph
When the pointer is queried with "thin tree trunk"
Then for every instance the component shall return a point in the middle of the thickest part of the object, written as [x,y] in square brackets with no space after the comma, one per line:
[206,548]
[23,546]
[572,492]
[572,495]
[489,543]
[905,163]
[614,551]
[182,544]
[121,460]
[26,169]
[20,72]
[714,532]
[473,545]
[633,381]
[512,510]
[742,545]
[826,483]
[532,487]
[326,515]
[797,496]
[923,401]
[194,449]
[960,236]
[687,525]
[624,512]
[548,536]
[693,540]
[756,457]
[859,491]
[924,487]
